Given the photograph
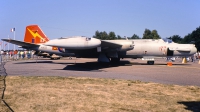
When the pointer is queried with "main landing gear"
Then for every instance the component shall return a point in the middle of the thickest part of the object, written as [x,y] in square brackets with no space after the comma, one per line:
[115,60]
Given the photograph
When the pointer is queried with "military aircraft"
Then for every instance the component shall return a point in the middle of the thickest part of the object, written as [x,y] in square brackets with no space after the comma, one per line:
[111,50]
[147,49]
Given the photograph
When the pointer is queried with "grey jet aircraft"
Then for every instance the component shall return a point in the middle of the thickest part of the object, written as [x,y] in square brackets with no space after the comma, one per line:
[109,50]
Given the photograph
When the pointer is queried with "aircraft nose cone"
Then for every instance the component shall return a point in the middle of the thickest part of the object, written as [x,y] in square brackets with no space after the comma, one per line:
[193,49]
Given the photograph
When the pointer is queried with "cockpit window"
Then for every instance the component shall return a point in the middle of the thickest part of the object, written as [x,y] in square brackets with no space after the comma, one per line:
[61,38]
[88,38]
[168,41]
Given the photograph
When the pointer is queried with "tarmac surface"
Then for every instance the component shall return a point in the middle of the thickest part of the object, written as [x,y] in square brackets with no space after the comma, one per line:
[128,69]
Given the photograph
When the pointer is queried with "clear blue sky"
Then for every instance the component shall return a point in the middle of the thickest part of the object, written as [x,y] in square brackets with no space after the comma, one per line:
[62,18]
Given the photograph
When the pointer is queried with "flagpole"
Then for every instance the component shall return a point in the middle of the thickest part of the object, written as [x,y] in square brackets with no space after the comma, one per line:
[14,38]
[5,46]
[2,45]
[8,44]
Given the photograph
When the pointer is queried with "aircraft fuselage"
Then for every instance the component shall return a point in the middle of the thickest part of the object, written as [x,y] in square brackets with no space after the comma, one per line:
[158,48]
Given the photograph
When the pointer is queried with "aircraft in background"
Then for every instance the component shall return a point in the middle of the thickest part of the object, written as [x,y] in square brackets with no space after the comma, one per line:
[34,39]
[106,50]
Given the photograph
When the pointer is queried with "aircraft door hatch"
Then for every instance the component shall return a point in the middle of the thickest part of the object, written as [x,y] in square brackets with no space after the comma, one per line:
[170,52]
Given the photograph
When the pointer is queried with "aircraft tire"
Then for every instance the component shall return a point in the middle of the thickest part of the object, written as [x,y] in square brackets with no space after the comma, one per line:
[150,62]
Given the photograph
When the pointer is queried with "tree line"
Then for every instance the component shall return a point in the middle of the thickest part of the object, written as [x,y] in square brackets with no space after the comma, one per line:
[148,34]
[193,37]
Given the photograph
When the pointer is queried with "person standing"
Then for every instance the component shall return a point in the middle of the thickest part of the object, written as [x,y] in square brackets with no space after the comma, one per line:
[10,53]
[21,53]
[15,55]
[7,55]
[18,54]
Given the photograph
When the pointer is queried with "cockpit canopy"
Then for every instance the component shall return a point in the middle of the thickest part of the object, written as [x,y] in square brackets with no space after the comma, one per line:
[167,40]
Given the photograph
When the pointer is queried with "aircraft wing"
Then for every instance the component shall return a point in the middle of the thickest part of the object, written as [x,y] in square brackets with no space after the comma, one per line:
[109,44]
[116,45]
[20,43]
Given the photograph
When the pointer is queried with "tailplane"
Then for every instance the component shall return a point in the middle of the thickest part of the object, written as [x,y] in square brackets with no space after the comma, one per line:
[35,35]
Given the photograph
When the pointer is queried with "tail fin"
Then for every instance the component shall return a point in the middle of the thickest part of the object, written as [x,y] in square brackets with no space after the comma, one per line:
[35,35]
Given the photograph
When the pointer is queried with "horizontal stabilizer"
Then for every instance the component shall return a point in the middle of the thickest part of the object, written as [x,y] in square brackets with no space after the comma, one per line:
[20,43]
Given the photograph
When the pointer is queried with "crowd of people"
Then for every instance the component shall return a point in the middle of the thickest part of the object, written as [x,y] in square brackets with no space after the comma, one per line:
[195,57]
[192,58]
[17,54]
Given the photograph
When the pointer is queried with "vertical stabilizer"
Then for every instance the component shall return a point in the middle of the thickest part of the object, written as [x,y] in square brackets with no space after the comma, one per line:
[34,34]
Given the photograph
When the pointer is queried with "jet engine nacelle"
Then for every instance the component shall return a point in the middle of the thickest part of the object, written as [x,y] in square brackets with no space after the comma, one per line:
[128,45]
[75,43]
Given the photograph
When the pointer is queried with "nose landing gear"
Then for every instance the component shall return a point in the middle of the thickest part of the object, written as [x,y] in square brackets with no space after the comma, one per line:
[150,62]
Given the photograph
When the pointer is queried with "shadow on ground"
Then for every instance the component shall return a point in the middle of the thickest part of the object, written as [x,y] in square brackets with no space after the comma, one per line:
[95,66]
[193,106]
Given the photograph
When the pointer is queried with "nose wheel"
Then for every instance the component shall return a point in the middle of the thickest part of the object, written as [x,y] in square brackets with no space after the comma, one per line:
[150,62]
